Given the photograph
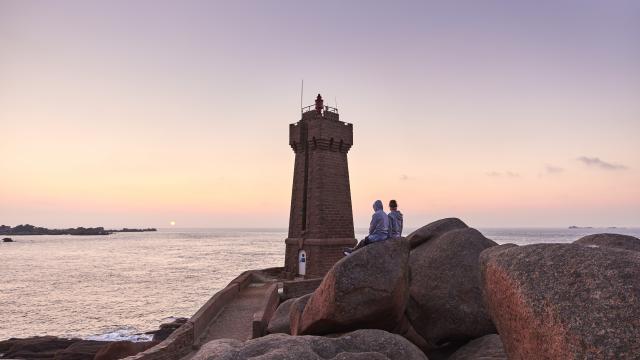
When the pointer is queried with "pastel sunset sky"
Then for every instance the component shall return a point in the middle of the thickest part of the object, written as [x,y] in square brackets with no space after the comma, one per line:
[138,113]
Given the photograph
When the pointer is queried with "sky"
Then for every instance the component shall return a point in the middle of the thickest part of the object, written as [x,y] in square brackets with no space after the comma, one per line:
[139,113]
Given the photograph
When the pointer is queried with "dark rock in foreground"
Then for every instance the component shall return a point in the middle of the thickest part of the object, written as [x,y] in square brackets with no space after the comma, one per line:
[39,347]
[446,304]
[434,229]
[488,347]
[281,321]
[564,301]
[295,313]
[81,350]
[121,349]
[619,241]
[366,344]
[7,240]
[367,290]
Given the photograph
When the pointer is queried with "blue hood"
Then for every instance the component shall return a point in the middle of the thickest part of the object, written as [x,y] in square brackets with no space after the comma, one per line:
[377,205]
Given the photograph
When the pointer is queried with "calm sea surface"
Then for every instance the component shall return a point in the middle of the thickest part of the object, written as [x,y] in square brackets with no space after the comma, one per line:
[117,286]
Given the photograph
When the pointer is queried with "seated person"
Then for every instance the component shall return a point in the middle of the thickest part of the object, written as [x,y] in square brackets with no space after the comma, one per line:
[378,230]
[395,220]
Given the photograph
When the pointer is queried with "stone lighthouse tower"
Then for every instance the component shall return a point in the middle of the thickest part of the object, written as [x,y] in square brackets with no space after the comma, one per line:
[321,219]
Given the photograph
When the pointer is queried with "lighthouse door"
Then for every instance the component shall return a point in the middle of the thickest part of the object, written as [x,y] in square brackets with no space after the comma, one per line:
[302,262]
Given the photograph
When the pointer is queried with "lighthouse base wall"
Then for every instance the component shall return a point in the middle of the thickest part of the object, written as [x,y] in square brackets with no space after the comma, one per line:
[320,255]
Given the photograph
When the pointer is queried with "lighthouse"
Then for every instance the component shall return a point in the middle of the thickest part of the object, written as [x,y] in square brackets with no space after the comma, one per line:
[321,217]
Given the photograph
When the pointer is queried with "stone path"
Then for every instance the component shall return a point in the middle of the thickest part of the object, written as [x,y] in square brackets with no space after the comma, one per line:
[235,320]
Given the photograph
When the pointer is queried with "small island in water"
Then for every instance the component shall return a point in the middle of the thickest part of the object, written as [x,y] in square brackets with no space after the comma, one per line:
[28,229]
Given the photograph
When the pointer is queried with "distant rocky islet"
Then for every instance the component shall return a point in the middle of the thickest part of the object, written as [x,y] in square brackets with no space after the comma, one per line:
[28,229]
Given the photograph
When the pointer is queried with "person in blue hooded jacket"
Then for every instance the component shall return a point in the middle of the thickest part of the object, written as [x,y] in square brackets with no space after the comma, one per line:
[378,230]
[395,220]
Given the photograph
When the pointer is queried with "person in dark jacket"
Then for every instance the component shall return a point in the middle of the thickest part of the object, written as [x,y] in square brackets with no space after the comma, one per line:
[395,220]
[378,229]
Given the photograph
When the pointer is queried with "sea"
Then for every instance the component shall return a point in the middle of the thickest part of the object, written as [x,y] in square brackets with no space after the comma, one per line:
[118,287]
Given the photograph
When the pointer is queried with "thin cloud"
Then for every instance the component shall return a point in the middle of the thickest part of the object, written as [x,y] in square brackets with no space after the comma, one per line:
[507,174]
[601,164]
[404,177]
[550,169]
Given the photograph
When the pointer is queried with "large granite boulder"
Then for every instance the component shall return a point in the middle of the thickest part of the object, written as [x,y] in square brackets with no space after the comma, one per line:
[488,347]
[295,313]
[564,301]
[434,229]
[618,241]
[280,322]
[446,303]
[368,344]
[367,290]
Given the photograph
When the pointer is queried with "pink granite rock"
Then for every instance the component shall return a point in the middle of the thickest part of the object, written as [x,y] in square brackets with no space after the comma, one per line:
[368,289]
[564,301]
[280,322]
[488,347]
[618,241]
[368,344]
[434,229]
[446,303]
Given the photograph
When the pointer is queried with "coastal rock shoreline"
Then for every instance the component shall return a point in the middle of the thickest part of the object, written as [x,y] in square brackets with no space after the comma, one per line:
[58,348]
[448,293]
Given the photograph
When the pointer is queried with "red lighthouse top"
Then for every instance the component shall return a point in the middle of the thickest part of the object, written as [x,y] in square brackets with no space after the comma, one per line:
[319,104]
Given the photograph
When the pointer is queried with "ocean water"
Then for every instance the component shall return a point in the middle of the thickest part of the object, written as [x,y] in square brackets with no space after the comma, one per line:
[121,285]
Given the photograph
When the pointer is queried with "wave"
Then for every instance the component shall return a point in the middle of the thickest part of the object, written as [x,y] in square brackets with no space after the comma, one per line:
[124,333]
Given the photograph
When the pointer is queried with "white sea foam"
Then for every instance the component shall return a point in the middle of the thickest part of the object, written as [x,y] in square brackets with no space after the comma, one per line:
[121,334]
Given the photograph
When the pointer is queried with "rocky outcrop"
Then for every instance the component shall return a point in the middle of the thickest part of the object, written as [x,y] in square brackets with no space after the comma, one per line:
[564,301]
[366,290]
[121,349]
[434,229]
[366,344]
[167,329]
[446,303]
[618,241]
[295,313]
[51,347]
[7,239]
[40,347]
[280,321]
[28,229]
[81,350]
[488,347]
